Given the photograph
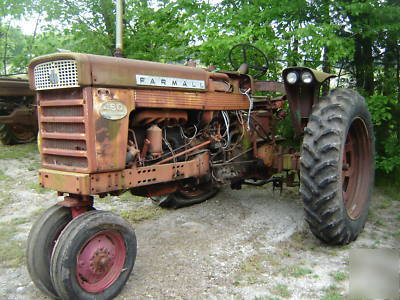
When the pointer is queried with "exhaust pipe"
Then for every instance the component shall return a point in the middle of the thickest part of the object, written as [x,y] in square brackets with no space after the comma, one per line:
[118,29]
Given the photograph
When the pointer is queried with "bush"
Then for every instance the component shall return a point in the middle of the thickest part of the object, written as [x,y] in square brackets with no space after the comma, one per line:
[385,111]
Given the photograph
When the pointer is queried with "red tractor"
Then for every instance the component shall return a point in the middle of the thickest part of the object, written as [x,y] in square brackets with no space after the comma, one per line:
[174,133]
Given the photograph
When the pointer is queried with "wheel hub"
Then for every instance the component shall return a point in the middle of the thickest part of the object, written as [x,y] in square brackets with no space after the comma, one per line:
[100,261]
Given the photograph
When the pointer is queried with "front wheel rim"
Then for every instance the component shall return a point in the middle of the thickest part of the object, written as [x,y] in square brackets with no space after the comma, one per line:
[101,261]
[356,168]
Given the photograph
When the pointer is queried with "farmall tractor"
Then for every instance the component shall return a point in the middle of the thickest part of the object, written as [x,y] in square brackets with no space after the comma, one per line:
[176,134]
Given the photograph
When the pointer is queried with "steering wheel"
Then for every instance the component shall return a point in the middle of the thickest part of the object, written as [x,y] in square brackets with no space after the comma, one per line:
[253,57]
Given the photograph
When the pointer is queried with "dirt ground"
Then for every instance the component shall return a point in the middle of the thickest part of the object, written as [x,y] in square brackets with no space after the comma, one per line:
[247,244]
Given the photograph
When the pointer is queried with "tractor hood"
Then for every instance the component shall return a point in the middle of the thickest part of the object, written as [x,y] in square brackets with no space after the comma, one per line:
[66,70]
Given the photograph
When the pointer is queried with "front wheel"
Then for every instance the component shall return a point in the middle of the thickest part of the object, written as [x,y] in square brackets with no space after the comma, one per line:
[337,167]
[94,257]
[42,238]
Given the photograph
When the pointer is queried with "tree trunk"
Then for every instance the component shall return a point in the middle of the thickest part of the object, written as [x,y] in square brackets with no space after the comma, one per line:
[326,67]
[364,64]
[6,48]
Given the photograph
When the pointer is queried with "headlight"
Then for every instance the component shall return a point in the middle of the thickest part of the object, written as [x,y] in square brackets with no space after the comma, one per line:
[307,77]
[292,77]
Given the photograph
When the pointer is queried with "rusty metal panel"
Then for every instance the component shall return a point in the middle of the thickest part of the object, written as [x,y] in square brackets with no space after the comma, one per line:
[291,161]
[82,65]
[15,87]
[143,176]
[190,100]
[107,71]
[91,184]
[75,137]
[96,70]
[267,154]
[21,116]
[166,117]
[63,133]
[269,86]
[111,136]
[67,182]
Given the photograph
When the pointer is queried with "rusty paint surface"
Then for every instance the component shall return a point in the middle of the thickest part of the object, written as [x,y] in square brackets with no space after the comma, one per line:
[186,100]
[164,117]
[75,137]
[64,117]
[106,71]
[301,97]
[91,184]
[68,182]
[76,201]
[21,116]
[184,152]
[266,153]
[110,135]
[269,86]
[15,87]
[290,161]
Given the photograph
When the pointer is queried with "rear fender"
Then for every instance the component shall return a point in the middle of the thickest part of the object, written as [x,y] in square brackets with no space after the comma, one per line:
[21,116]
[301,96]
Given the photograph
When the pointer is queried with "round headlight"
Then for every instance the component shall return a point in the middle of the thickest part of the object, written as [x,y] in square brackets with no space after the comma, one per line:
[292,77]
[307,77]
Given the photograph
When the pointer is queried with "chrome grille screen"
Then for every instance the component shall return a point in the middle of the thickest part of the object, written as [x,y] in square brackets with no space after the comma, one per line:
[56,74]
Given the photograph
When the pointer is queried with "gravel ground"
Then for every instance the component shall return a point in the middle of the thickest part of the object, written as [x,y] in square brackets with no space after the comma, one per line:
[247,244]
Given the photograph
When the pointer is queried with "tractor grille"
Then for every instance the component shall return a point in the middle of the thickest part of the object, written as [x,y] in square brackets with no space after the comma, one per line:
[56,74]
[63,130]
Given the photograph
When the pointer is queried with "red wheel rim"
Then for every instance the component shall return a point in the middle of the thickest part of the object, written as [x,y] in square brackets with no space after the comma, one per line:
[191,192]
[100,261]
[356,168]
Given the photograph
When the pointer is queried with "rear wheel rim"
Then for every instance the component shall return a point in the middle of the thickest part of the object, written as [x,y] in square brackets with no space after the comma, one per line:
[22,133]
[192,191]
[356,168]
[101,261]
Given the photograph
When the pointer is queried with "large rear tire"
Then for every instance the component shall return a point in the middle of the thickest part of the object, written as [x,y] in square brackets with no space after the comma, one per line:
[93,257]
[42,238]
[16,134]
[337,167]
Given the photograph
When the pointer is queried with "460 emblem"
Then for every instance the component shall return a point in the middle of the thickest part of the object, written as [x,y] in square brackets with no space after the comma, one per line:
[113,110]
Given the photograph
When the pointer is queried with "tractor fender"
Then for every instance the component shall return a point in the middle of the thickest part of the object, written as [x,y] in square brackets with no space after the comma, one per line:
[21,115]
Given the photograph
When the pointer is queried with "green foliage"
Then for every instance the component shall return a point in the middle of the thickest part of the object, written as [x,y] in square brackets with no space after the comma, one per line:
[340,276]
[384,110]
[281,290]
[12,252]
[380,108]
[332,293]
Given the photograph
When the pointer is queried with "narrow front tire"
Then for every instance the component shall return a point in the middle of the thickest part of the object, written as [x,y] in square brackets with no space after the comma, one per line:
[94,257]
[41,241]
